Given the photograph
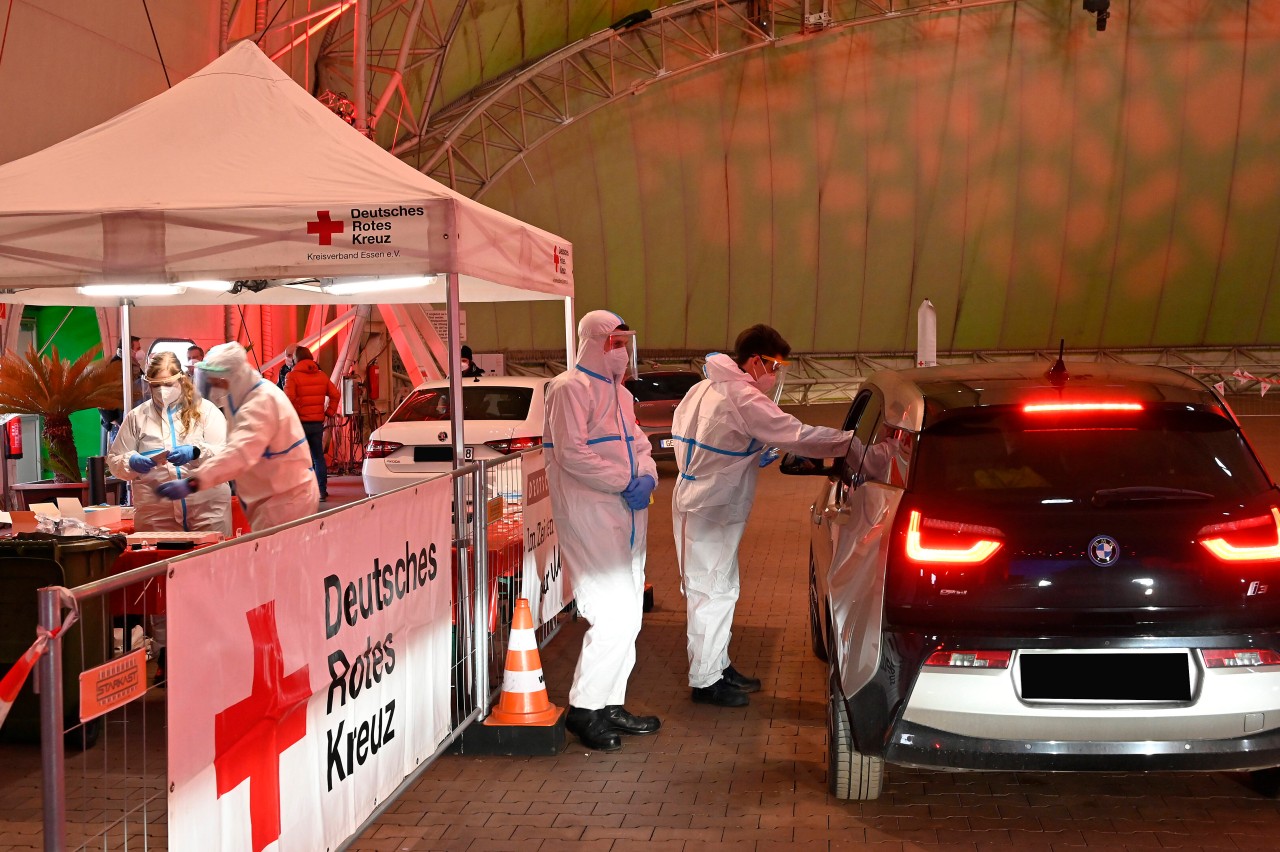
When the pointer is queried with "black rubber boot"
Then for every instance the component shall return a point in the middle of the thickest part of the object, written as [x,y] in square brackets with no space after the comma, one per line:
[721,693]
[740,681]
[624,722]
[593,729]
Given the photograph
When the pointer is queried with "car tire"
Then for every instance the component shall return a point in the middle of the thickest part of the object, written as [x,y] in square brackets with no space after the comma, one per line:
[851,775]
[817,625]
[1266,782]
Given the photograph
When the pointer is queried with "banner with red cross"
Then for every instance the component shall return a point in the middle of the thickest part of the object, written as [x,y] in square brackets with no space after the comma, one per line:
[309,673]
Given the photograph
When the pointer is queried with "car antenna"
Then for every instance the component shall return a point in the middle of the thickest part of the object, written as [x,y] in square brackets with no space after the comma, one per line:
[1057,374]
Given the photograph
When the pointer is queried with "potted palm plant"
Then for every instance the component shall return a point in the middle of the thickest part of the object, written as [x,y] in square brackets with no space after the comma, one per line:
[55,389]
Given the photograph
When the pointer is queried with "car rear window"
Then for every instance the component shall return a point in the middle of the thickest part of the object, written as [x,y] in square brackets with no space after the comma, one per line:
[1175,453]
[489,402]
[650,388]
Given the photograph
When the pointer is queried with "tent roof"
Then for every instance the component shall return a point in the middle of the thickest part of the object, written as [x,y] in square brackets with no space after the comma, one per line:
[237,173]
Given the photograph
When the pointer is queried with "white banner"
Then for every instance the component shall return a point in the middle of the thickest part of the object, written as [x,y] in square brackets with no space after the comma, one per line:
[308,674]
[544,583]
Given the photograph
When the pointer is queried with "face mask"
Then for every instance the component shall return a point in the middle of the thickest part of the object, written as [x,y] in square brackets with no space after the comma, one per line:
[167,396]
[766,382]
[466,365]
[618,361]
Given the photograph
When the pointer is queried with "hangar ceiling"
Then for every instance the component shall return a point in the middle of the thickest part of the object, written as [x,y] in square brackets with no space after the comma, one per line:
[825,166]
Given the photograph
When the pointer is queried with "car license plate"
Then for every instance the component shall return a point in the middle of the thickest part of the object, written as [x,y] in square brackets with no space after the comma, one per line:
[1098,677]
[667,443]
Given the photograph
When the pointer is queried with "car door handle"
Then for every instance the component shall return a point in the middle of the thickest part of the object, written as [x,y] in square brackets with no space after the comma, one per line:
[836,514]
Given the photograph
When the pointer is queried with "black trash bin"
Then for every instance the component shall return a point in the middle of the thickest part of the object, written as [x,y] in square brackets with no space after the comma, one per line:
[31,561]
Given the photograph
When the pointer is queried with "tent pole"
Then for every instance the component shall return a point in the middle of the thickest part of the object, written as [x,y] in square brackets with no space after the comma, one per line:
[126,355]
[455,388]
[570,340]
[360,59]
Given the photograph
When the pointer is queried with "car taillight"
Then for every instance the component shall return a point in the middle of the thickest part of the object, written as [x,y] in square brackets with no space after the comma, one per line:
[1249,540]
[933,540]
[380,449]
[514,445]
[1215,658]
[970,659]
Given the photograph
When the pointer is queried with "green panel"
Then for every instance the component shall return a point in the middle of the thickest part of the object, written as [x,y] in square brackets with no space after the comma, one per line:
[794,202]
[1038,100]
[1208,123]
[77,335]
[1250,269]
[1034,178]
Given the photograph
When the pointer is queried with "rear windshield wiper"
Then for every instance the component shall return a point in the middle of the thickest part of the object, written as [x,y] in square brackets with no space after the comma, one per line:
[1136,493]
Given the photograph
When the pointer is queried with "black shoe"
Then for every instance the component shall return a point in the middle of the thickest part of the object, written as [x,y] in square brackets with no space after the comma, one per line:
[324,498]
[593,729]
[625,723]
[721,693]
[740,681]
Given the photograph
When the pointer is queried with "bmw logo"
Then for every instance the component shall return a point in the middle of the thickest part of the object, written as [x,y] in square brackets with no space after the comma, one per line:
[1104,551]
[443,436]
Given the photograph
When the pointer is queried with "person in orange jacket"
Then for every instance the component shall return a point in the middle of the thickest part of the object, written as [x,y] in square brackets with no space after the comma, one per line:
[314,397]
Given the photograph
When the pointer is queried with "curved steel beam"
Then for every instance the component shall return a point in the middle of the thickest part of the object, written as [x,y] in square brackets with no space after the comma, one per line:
[472,142]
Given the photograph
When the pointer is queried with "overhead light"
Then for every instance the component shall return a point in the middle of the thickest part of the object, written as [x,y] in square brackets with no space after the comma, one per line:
[125,291]
[378,285]
[215,286]
[310,288]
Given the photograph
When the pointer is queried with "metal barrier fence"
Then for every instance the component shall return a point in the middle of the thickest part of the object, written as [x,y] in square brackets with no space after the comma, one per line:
[106,781]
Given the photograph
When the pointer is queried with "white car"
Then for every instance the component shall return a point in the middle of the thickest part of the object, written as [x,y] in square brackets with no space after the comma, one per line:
[503,415]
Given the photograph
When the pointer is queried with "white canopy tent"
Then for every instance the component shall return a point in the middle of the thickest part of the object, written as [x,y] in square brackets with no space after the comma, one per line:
[236,187]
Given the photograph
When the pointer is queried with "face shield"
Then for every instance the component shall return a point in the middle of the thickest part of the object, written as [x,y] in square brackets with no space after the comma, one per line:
[620,354]
[211,384]
[773,378]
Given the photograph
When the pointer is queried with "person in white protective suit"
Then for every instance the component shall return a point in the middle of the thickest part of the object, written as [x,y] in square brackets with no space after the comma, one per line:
[266,451]
[727,427]
[174,420]
[601,476]
[190,430]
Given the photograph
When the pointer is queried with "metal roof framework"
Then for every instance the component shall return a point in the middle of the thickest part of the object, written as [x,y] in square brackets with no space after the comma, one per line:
[392,53]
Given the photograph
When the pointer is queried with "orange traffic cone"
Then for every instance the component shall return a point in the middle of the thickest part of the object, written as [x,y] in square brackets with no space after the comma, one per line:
[524,698]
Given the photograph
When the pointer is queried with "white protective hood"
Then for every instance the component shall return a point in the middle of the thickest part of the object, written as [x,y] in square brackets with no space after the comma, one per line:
[237,173]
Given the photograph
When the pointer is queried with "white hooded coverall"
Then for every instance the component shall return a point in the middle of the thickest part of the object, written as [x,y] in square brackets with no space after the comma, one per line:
[147,428]
[594,448]
[266,451]
[721,426]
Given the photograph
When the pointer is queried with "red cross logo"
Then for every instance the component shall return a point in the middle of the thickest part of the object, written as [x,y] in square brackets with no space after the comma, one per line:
[325,227]
[250,735]
[555,257]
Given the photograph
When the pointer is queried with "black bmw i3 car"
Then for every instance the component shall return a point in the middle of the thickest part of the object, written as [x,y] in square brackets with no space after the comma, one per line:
[1065,569]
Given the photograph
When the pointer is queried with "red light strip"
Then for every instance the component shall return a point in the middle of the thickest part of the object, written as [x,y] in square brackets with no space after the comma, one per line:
[1041,408]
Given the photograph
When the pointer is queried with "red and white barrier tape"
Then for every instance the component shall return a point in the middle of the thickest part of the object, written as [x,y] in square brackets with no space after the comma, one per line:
[11,683]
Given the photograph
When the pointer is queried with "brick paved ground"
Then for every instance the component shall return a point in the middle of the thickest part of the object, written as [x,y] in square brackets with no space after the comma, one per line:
[743,779]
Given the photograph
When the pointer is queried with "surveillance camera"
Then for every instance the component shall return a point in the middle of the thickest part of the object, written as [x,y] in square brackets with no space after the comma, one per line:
[1101,8]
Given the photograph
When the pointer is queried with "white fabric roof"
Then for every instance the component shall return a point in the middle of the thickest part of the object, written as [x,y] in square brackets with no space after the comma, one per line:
[237,173]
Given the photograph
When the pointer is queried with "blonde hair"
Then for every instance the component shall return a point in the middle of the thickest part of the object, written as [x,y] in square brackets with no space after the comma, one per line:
[163,363]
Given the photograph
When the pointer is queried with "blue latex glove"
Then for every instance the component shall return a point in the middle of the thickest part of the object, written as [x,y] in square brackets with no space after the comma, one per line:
[183,454]
[175,489]
[768,457]
[138,463]
[638,490]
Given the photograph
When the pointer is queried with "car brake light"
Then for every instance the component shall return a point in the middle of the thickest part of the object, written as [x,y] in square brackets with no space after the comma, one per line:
[1241,658]
[970,659]
[1249,540]
[1060,407]
[975,544]
[514,445]
[380,449]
